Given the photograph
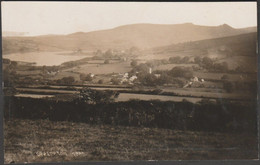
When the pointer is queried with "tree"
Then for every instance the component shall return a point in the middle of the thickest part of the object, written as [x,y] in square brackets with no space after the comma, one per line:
[6,61]
[106,61]
[164,79]
[142,68]
[207,62]
[84,77]
[185,59]
[175,60]
[68,80]
[91,96]
[221,67]
[108,53]
[181,72]
[100,81]
[228,86]
[98,52]
[197,60]
[134,63]
[147,79]
[115,81]
[224,66]
[225,77]
[13,65]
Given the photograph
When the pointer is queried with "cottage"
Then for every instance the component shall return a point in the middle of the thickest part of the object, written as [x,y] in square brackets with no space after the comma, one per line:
[125,75]
[92,75]
[132,78]
[195,79]
[157,75]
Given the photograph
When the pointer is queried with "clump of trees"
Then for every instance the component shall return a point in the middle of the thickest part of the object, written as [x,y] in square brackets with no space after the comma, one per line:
[179,60]
[134,63]
[228,86]
[91,96]
[115,81]
[100,81]
[183,72]
[106,61]
[86,77]
[10,77]
[66,80]
[211,65]
[147,79]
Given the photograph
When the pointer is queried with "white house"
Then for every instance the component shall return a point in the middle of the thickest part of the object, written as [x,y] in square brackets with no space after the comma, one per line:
[157,75]
[150,70]
[92,75]
[195,79]
[132,78]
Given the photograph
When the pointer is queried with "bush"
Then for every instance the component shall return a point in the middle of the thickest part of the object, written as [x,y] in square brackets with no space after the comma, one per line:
[207,62]
[100,81]
[134,63]
[228,86]
[115,81]
[67,80]
[106,61]
[147,79]
[84,77]
[225,77]
[95,96]
[181,72]
[175,60]
[197,60]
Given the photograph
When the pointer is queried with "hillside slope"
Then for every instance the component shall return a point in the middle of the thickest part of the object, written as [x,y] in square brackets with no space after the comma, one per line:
[237,51]
[239,45]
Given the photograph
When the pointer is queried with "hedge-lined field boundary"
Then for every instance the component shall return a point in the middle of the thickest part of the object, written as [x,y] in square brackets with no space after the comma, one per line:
[228,116]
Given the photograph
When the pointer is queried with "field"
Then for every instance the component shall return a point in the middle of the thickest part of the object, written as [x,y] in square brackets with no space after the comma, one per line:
[44,140]
[170,66]
[119,67]
[129,96]
[245,77]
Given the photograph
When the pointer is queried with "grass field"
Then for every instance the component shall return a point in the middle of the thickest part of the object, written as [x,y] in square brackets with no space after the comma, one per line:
[211,93]
[244,77]
[170,66]
[129,96]
[46,141]
[120,67]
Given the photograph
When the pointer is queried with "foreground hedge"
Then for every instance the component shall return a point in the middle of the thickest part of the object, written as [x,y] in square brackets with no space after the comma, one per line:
[173,115]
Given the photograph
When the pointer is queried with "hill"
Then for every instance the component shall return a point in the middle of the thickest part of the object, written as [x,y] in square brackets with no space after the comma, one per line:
[243,44]
[239,50]
[143,36]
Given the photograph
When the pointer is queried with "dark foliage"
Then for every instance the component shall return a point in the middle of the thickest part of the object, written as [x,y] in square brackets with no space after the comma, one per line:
[206,116]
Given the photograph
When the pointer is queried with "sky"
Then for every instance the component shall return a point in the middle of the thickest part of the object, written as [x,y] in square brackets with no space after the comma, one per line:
[41,18]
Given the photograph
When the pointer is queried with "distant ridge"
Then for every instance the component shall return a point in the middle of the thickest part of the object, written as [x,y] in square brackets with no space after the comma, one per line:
[143,36]
[12,34]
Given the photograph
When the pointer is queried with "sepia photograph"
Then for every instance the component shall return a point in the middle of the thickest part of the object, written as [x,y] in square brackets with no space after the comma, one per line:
[129,81]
